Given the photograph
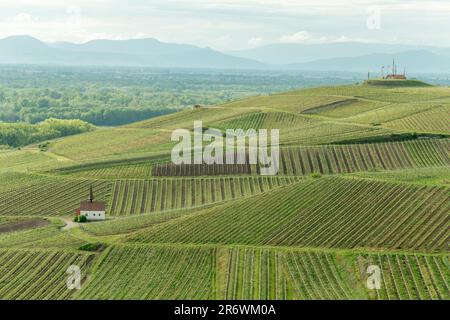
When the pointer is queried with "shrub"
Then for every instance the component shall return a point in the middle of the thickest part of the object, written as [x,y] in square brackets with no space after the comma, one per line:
[315,175]
[82,219]
[92,247]
[75,219]
[44,146]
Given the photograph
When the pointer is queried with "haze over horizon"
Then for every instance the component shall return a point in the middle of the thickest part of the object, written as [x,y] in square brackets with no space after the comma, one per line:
[230,25]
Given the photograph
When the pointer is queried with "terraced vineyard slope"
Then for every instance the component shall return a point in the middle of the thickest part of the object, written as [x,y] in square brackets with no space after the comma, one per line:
[362,187]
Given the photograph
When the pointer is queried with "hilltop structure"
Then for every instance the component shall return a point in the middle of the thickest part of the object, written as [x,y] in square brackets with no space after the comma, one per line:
[394,75]
[92,210]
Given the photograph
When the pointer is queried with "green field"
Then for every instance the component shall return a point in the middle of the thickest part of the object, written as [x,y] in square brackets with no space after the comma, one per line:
[363,180]
[336,212]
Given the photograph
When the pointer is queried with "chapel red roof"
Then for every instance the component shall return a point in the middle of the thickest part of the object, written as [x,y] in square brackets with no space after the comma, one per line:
[92,206]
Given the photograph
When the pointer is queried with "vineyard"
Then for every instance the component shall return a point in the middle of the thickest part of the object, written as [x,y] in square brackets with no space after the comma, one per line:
[345,108]
[23,160]
[266,120]
[292,101]
[332,213]
[140,196]
[32,237]
[430,176]
[136,171]
[363,182]
[165,272]
[127,224]
[61,196]
[51,198]
[410,277]
[328,159]
[38,274]
[263,274]
[151,273]
[186,118]
[364,157]
[435,120]
[181,170]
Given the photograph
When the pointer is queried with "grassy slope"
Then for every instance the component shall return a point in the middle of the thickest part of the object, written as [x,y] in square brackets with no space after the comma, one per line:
[248,247]
[328,212]
[396,83]
[151,136]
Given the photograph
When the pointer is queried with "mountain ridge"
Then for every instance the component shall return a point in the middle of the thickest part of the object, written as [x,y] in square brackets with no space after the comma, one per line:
[416,60]
[151,52]
[134,52]
[289,53]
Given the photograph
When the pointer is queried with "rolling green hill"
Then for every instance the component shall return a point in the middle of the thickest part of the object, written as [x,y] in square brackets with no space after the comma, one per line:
[396,83]
[364,180]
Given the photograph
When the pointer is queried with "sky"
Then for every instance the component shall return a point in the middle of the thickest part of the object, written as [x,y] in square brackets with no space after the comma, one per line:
[229,25]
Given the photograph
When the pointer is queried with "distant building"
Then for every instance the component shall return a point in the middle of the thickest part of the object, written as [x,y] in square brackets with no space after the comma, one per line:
[394,75]
[92,210]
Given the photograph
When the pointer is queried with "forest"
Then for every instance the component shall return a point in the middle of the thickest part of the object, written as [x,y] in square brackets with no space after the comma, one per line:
[117,96]
[32,98]
[20,134]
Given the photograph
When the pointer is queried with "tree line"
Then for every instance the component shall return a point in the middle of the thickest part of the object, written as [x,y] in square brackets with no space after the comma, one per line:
[116,96]
[21,134]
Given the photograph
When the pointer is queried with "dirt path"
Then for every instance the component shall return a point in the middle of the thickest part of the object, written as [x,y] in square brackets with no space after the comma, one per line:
[69,224]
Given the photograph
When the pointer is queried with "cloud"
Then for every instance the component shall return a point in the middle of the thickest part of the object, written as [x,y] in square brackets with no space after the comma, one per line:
[228,24]
[302,37]
[307,37]
[22,18]
[256,42]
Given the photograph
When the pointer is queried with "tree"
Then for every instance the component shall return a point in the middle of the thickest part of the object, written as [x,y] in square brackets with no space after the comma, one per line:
[43,103]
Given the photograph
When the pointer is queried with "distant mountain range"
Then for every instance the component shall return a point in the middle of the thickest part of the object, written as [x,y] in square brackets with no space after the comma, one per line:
[133,52]
[418,61]
[350,56]
[290,53]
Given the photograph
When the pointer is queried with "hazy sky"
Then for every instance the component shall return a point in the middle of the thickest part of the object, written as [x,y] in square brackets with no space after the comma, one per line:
[230,24]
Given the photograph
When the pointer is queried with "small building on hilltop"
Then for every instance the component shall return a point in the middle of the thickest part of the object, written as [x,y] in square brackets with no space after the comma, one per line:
[92,210]
[394,75]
